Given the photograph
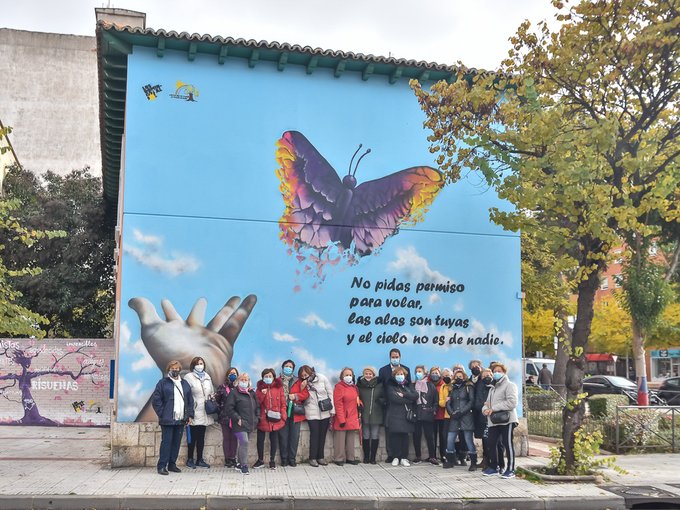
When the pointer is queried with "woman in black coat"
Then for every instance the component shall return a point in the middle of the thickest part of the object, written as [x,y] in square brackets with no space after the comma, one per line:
[459,407]
[401,399]
[174,405]
[426,407]
[244,412]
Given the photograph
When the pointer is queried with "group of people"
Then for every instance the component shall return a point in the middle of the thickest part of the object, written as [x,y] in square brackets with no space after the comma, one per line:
[448,407]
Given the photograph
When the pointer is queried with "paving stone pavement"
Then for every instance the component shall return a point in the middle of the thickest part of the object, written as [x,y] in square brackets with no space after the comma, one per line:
[70,468]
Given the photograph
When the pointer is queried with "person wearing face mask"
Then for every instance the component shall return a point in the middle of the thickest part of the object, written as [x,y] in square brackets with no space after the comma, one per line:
[441,423]
[320,391]
[346,422]
[476,368]
[174,405]
[372,395]
[273,408]
[201,389]
[401,399]
[481,396]
[289,435]
[459,407]
[228,437]
[297,395]
[426,407]
[244,412]
[385,374]
[502,399]
[443,390]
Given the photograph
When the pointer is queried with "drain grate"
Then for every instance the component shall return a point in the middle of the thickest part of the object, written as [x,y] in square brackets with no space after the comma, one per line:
[645,496]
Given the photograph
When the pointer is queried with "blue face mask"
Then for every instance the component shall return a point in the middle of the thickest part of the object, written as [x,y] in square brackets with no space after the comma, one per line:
[287,371]
[268,380]
[419,375]
[497,376]
[399,378]
[243,384]
[232,377]
[394,361]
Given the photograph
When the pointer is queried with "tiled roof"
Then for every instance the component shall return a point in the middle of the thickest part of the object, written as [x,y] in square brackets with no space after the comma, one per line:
[114,44]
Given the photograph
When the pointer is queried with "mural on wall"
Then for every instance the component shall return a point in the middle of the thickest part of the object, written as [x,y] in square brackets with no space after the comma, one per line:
[333,216]
[322,265]
[55,382]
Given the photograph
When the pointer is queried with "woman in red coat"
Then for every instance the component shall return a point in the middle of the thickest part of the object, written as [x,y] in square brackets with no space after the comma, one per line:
[346,423]
[272,402]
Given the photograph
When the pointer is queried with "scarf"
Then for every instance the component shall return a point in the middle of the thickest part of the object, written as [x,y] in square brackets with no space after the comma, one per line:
[421,388]
[242,390]
[200,375]
[286,379]
[178,400]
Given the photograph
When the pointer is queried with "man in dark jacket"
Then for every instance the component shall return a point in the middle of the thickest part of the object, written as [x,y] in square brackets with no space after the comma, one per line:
[174,406]
[545,377]
[384,375]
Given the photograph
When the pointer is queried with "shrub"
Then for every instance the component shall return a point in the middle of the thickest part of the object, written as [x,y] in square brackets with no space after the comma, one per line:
[602,406]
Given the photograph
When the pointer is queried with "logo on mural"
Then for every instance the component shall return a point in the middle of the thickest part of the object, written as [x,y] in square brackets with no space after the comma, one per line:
[326,218]
[185,91]
[151,91]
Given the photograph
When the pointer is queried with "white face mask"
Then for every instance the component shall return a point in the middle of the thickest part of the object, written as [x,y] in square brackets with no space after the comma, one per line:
[199,368]
[347,379]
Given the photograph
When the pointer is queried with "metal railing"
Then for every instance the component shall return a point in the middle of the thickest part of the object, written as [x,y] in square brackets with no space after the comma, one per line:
[647,427]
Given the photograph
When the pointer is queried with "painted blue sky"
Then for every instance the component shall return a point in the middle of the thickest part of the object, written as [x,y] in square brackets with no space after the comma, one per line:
[202,203]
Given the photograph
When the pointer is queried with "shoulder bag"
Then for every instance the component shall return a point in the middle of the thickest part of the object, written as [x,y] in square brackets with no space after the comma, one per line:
[210,404]
[497,417]
[324,405]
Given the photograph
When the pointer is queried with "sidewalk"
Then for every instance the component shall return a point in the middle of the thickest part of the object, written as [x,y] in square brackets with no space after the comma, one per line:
[69,468]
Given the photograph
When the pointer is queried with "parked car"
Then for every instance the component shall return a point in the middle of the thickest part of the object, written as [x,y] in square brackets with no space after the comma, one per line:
[669,390]
[613,385]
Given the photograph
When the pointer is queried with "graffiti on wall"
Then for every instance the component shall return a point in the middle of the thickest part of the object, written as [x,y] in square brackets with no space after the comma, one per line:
[54,382]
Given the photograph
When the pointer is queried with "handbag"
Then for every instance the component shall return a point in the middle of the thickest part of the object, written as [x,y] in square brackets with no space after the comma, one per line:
[210,405]
[273,415]
[326,404]
[298,409]
[497,417]
[410,414]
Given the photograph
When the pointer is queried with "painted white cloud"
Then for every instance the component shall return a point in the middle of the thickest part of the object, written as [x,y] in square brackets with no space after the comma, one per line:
[258,364]
[130,399]
[458,306]
[434,298]
[415,267]
[303,357]
[151,255]
[313,320]
[284,337]
[144,361]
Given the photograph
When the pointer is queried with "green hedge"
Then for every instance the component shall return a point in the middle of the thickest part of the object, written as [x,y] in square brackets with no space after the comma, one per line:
[602,406]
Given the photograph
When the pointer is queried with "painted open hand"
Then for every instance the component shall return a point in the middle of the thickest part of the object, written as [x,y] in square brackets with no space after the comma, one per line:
[177,339]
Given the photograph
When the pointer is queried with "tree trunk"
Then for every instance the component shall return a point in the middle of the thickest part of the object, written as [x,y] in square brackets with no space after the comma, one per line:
[32,415]
[640,366]
[573,412]
[562,353]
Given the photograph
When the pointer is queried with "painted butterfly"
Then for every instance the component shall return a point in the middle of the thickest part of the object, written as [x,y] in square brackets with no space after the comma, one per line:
[321,210]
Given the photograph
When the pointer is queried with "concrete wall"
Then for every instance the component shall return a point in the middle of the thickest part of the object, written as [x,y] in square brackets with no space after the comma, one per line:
[49,96]
[137,444]
[55,382]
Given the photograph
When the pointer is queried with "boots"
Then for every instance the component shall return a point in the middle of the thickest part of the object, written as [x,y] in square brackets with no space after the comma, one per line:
[366,447]
[449,460]
[374,449]
[461,457]
[473,462]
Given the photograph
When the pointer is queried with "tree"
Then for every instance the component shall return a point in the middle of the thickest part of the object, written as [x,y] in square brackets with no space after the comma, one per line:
[578,127]
[88,365]
[611,329]
[75,290]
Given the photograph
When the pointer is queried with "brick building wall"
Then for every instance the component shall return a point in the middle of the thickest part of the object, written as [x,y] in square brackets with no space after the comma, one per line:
[55,382]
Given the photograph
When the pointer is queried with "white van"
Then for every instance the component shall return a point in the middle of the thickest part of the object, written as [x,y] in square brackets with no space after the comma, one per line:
[532,366]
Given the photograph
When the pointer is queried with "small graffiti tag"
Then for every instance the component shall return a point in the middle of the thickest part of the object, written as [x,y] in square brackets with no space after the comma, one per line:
[185,91]
[151,91]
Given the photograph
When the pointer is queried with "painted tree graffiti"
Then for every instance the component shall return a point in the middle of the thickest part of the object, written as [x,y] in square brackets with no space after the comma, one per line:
[87,366]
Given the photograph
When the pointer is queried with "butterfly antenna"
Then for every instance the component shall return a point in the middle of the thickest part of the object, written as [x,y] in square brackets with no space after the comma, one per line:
[349,172]
[359,161]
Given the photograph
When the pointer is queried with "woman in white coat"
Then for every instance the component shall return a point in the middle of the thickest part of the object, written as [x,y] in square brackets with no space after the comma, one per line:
[201,389]
[318,419]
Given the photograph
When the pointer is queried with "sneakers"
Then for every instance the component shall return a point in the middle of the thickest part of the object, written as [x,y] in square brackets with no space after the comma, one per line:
[433,461]
[244,470]
[405,463]
[417,460]
[490,472]
[272,464]
[395,462]
[508,474]
[202,463]
[191,464]
[238,467]
[313,463]
[259,464]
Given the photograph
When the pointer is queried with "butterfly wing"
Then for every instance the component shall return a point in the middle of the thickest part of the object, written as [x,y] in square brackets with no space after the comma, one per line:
[381,206]
[311,191]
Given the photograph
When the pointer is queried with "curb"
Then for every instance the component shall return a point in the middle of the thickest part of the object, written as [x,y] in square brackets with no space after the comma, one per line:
[216,502]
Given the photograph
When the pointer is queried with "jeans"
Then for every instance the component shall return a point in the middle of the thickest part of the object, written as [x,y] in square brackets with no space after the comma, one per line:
[317,438]
[289,437]
[469,440]
[171,437]
[242,450]
[427,428]
[197,441]
[273,444]
[228,442]
[502,434]
[371,431]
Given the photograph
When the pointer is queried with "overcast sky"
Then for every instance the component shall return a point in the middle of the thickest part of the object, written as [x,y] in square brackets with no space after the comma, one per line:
[475,32]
